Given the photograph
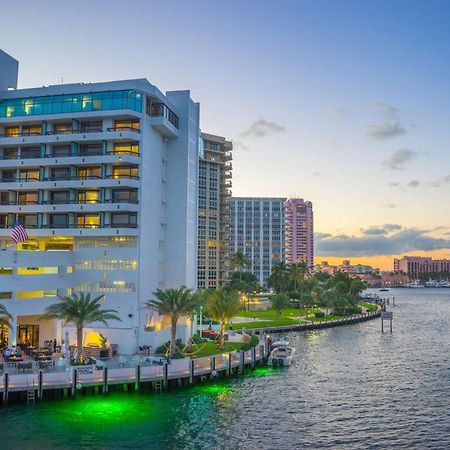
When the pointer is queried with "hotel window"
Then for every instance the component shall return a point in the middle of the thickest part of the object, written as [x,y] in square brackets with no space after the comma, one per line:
[27,198]
[4,198]
[29,175]
[88,173]
[119,220]
[28,220]
[126,149]
[127,125]
[89,197]
[30,152]
[91,150]
[125,172]
[69,103]
[91,127]
[60,173]
[124,196]
[60,150]
[58,220]
[12,131]
[88,220]
[59,197]
[10,153]
[62,128]
[3,220]
[32,130]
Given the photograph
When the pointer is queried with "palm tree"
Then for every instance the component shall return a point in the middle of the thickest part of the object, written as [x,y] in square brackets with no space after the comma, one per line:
[239,261]
[279,278]
[5,317]
[80,310]
[173,303]
[297,273]
[199,298]
[222,305]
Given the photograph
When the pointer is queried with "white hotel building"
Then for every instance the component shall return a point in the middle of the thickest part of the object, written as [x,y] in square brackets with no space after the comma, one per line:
[104,178]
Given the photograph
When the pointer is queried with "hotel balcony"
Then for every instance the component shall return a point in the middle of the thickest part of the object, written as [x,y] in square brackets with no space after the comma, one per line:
[35,183]
[163,119]
[74,135]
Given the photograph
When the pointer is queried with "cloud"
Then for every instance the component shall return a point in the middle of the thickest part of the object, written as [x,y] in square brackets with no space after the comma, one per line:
[317,174]
[390,205]
[399,158]
[386,110]
[383,229]
[391,242]
[441,181]
[262,128]
[385,131]
[413,183]
[338,111]
[394,183]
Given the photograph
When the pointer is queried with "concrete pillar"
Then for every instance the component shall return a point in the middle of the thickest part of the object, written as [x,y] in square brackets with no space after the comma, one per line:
[12,334]
[58,331]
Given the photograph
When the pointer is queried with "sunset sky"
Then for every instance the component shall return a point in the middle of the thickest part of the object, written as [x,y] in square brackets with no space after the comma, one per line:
[344,103]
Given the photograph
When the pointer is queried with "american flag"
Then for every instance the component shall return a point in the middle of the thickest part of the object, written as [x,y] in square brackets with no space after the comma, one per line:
[18,233]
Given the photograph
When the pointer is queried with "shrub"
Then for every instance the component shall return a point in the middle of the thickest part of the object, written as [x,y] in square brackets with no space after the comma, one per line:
[253,342]
[163,349]
[198,339]
[319,314]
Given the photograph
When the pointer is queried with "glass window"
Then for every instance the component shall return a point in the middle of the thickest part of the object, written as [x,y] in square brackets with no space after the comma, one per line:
[55,104]
[59,197]
[60,150]
[88,220]
[87,173]
[59,220]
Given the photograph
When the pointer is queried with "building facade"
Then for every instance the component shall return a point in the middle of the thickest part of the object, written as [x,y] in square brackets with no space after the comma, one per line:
[214,193]
[258,230]
[299,232]
[103,176]
[414,266]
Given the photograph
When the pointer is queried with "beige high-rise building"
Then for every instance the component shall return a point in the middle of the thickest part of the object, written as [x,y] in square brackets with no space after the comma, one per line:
[214,194]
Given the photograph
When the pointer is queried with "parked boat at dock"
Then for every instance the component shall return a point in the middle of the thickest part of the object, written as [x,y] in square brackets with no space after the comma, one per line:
[281,355]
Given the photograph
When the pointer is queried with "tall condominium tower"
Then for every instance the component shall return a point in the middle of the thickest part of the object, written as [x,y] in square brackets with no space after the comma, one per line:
[257,225]
[103,176]
[299,232]
[214,194]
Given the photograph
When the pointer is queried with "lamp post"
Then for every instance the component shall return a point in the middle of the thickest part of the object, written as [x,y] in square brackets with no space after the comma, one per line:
[201,319]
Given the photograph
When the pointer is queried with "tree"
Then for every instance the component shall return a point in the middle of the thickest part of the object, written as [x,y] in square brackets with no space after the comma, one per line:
[244,283]
[279,278]
[239,262]
[222,305]
[80,310]
[5,317]
[173,303]
[199,298]
[356,287]
[280,302]
[297,273]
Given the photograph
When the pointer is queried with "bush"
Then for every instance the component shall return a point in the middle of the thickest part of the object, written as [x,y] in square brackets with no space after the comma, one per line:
[319,314]
[253,342]
[198,339]
[163,349]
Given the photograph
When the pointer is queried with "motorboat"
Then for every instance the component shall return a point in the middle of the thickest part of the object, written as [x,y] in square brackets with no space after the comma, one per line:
[383,289]
[281,354]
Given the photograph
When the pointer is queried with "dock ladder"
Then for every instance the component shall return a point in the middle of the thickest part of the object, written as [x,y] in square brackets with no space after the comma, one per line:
[158,386]
[31,396]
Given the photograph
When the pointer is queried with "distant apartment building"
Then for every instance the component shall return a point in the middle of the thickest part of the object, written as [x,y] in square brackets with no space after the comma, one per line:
[299,232]
[103,176]
[258,230]
[347,267]
[414,266]
[214,193]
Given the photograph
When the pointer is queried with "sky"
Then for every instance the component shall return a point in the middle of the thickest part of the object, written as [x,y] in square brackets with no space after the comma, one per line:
[343,103]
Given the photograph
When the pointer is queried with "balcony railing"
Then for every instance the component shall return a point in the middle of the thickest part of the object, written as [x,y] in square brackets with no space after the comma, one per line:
[69,131]
[73,226]
[71,178]
[162,110]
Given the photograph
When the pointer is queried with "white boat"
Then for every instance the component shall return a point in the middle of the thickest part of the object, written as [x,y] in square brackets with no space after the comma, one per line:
[281,354]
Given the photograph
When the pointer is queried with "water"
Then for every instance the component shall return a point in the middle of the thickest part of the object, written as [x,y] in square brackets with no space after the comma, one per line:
[351,388]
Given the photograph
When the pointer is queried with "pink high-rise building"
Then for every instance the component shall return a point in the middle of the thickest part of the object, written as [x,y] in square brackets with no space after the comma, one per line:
[299,232]
[416,265]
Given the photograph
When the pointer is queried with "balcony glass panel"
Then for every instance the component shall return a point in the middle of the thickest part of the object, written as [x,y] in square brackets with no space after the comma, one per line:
[32,152]
[125,172]
[88,173]
[58,220]
[28,220]
[91,150]
[88,221]
[27,198]
[88,196]
[57,104]
[126,149]
[59,197]
[10,153]
[60,150]
[29,175]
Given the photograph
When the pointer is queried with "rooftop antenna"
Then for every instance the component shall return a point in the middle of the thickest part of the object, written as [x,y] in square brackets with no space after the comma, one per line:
[62,80]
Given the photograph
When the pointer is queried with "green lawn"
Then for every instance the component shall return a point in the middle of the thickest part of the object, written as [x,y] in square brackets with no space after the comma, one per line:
[370,307]
[210,348]
[271,313]
[265,323]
